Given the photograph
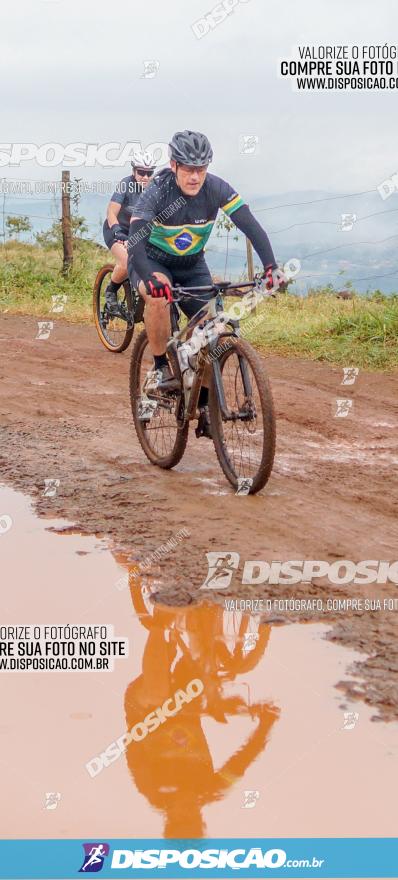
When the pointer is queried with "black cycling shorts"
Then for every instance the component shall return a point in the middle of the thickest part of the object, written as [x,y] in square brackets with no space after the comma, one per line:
[196,276]
[109,237]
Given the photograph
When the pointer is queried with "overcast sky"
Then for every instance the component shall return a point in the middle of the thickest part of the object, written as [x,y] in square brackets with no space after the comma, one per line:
[71,70]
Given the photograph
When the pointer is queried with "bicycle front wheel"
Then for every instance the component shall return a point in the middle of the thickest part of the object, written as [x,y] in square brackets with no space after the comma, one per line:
[158,417]
[115,333]
[244,435]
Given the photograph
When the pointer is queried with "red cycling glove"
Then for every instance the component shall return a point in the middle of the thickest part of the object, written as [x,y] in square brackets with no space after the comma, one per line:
[158,288]
[274,278]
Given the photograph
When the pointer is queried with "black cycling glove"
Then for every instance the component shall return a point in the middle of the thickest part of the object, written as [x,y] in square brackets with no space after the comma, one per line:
[118,233]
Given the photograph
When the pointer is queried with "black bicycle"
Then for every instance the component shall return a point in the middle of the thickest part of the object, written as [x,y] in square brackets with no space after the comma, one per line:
[241,410]
[116,331]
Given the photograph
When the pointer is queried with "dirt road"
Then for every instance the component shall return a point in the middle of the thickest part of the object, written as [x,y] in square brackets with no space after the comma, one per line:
[64,415]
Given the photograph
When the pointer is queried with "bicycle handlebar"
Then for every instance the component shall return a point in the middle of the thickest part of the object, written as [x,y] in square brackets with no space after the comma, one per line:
[220,287]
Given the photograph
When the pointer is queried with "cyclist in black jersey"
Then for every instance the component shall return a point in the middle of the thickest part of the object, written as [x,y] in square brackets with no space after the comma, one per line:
[170,225]
[118,216]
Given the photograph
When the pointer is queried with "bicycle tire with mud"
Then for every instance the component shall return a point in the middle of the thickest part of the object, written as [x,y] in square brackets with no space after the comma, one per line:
[178,450]
[101,275]
[240,346]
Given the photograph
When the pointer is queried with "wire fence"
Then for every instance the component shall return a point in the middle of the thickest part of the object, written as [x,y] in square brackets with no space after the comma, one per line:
[229,251]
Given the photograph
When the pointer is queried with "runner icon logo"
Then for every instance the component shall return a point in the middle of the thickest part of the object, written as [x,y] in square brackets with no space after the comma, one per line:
[350,374]
[52,800]
[244,485]
[251,798]
[94,855]
[350,720]
[221,568]
[5,523]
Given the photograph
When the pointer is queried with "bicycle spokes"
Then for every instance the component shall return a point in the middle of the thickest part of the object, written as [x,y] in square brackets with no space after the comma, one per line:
[115,323]
[156,411]
[241,419]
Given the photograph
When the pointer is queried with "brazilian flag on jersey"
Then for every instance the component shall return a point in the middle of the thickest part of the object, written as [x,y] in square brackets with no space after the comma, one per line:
[188,238]
[181,240]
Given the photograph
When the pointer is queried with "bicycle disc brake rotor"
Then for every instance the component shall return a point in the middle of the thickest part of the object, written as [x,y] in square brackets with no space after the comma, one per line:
[245,405]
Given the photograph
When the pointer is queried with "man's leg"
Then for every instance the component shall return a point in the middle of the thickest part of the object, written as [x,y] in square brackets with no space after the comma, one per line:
[157,317]
[198,276]
[119,252]
[157,326]
[119,274]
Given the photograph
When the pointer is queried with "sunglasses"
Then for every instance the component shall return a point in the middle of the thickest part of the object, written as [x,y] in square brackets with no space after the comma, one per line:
[144,172]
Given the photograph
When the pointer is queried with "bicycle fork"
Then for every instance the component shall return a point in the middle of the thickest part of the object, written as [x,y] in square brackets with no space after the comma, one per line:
[195,391]
[227,415]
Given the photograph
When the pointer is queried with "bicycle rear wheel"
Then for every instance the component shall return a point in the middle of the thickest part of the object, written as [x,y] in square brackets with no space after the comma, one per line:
[158,417]
[245,440]
[115,333]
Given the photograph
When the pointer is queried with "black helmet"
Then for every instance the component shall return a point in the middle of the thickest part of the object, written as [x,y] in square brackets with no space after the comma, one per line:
[190,148]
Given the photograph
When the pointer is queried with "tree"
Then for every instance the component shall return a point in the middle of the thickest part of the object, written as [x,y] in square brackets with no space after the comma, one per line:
[16,225]
[223,223]
[53,235]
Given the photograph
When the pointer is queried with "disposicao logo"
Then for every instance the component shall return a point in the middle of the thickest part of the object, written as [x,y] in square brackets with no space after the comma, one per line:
[223,564]
[188,859]
[94,855]
[219,857]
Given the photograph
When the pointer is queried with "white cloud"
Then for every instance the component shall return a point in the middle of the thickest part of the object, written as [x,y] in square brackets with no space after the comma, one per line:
[74,68]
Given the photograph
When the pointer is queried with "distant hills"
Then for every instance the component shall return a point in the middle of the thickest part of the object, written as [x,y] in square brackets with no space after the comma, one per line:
[305,225]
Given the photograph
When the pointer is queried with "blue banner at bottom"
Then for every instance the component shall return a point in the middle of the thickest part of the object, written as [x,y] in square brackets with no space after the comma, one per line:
[214,857]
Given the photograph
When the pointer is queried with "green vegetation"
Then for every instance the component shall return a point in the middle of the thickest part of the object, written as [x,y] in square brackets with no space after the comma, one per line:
[16,225]
[30,275]
[53,235]
[361,331]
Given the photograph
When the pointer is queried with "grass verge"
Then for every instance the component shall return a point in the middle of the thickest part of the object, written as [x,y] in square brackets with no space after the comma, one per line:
[362,331]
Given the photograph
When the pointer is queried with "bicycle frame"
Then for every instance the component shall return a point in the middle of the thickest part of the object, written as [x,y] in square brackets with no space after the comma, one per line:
[207,313]
[137,311]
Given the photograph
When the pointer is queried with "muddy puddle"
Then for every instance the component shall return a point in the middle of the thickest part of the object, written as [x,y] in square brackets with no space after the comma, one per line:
[265,746]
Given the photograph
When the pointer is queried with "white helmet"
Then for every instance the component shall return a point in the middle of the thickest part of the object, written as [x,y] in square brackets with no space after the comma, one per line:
[143,159]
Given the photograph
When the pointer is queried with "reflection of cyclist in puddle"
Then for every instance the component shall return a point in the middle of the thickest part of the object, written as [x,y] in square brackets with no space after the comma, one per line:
[172,766]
